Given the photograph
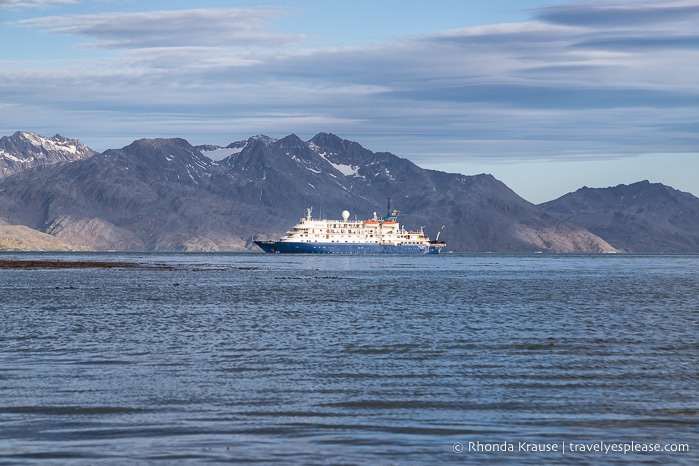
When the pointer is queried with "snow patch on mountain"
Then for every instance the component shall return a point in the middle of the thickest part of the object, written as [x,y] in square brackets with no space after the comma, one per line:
[219,153]
[8,156]
[347,170]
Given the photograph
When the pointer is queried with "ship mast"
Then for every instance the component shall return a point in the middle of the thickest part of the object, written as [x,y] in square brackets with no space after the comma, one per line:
[439,233]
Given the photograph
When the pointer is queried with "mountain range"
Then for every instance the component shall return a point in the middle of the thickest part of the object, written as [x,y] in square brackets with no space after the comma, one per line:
[167,195]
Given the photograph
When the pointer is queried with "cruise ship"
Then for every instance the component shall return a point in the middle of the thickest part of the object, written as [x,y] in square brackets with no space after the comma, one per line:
[377,235]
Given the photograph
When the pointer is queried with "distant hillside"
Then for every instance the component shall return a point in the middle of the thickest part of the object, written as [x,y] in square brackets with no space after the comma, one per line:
[641,217]
[21,238]
[166,195]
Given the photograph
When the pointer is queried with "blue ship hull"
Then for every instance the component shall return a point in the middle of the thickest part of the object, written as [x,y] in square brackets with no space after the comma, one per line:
[284,247]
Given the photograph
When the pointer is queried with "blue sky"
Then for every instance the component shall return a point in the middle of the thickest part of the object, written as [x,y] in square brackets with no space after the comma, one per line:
[548,96]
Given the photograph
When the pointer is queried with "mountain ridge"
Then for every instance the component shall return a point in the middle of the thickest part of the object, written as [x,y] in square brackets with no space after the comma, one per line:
[165,194]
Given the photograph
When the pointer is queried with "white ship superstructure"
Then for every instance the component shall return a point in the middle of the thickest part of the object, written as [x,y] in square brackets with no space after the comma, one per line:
[374,236]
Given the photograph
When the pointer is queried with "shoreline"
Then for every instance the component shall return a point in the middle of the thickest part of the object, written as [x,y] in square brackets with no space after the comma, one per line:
[34,264]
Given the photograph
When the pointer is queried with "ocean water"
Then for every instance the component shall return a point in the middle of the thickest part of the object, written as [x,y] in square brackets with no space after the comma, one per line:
[276,359]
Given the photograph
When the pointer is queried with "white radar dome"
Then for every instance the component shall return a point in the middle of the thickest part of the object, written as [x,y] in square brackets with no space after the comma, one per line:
[345,215]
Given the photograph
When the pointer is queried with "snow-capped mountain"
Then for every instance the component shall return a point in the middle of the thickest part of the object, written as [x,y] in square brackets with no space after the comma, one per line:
[25,150]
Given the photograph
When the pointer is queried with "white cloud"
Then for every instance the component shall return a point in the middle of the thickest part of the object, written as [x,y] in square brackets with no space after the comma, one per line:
[171,28]
[18,4]
[555,87]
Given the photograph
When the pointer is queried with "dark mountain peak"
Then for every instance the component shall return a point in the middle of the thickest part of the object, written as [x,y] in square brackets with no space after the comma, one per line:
[329,140]
[641,193]
[261,139]
[261,156]
[640,217]
[621,188]
[165,149]
[237,145]
[487,182]
[340,151]
[158,145]
[253,145]
[172,159]
[350,158]
[290,140]
[647,188]
[292,145]
[323,135]
[250,156]
[486,177]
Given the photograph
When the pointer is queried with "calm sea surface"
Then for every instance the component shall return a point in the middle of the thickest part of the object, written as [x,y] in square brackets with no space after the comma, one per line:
[272,359]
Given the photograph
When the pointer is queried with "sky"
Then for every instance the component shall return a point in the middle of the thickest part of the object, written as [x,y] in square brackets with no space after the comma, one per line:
[546,95]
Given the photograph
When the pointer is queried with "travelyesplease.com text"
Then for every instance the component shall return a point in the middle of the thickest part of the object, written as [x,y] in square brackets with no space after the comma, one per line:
[563,448]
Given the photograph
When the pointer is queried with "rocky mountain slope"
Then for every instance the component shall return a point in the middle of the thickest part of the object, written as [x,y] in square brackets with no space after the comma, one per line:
[25,150]
[641,217]
[165,194]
